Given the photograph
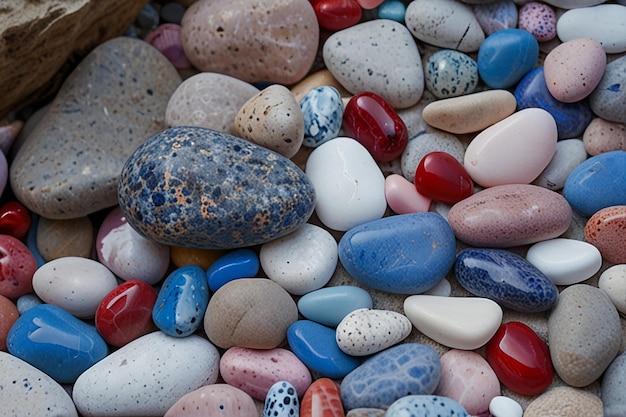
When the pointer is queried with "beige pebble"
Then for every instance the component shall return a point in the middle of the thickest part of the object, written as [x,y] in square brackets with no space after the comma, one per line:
[273,119]
[565,402]
[603,136]
[318,79]
[60,238]
[613,282]
[471,112]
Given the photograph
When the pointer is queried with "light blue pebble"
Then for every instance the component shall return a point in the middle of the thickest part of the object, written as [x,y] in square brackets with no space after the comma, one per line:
[55,342]
[392,10]
[613,383]
[608,100]
[26,302]
[451,73]
[281,401]
[240,263]
[316,346]
[426,406]
[329,305]
[597,183]
[406,369]
[496,15]
[322,110]
[182,302]
[506,56]
[402,254]
[31,239]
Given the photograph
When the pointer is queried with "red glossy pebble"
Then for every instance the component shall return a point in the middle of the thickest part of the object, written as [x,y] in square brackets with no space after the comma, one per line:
[520,359]
[442,178]
[322,399]
[17,266]
[372,121]
[125,313]
[337,14]
[14,219]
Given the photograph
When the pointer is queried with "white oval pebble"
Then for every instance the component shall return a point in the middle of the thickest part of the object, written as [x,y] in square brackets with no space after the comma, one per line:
[505,407]
[350,186]
[568,155]
[74,284]
[147,376]
[613,282]
[365,332]
[302,261]
[457,322]
[603,23]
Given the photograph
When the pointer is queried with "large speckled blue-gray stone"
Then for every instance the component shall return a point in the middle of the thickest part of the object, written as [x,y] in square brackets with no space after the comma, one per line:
[199,188]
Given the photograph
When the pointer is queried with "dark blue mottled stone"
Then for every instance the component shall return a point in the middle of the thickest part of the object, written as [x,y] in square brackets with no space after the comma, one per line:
[571,118]
[199,188]
[425,406]
[506,278]
[406,369]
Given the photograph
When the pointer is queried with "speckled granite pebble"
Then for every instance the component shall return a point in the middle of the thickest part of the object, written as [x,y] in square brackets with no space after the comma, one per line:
[539,19]
[603,136]
[451,73]
[608,100]
[425,405]
[59,238]
[196,187]
[565,402]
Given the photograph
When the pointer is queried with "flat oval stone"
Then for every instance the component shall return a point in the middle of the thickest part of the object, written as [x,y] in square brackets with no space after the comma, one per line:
[196,187]
[329,305]
[602,136]
[613,380]
[281,401]
[350,190]
[56,342]
[451,73]
[405,369]
[28,391]
[597,183]
[249,312]
[510,215]
[506,278]
[251,44]
[17,267]
[214,399]
[606,230]
[322,398]
[403,254]
[584,334]
[569,153]
[402,197]
[239,263]
[496,15]
[147,376]
[608,100]
[322,111]
[602,22]
[471,112]
[565,401]
[426,404]
[515,150]
[565,261]
[457,322]
[255,371]
[444,23]
[613,282]
[69,237]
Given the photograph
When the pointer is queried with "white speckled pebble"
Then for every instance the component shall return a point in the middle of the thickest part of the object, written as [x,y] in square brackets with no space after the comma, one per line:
[569,153]
[74,284]
[613,282]
[147,376]
[603,23]
[608,100]
[427,142]
[505,407]
[302,261]
[365,332]
[26,391]
[379,56]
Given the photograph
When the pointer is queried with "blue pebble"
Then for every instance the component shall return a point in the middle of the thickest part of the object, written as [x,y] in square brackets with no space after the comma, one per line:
[329,305]
[281,401]
[26,302]
[613,383]
[31,239]
[182,302]
[597,183]
[392,10]
[322,110]
[56,342]
[316,346]
[148,18]
[402,254]
[506,278]
[571,118]
[451,73]
[239,263]
[506,56]
[409,368]
[426,406]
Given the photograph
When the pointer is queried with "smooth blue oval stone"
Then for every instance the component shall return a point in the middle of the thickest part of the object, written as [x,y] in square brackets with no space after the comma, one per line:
[506,278]
[402,254]
[409,368]
[198,188]
[182,301]
[425,405]
[322,110]
[56,342]
[597,183]
[239,263]
[316,346]
[281,401]
[329,305]
[506,56]
[571,118]
[392,10]
[450,73]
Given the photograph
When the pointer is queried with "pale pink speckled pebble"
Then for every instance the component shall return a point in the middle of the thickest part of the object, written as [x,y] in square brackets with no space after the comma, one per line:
[606,230]
[539,19]
[219,400]
[602,136]
[403,197]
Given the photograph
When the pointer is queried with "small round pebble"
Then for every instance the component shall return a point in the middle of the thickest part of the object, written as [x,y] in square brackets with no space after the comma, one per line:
[451,73]
[606,230]
[281,401]
[603,136]
[539,19]
[322,111]
[565,402]
[501,406]
[613,282]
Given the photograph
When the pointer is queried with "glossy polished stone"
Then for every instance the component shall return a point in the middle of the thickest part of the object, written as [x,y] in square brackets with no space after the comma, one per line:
[336,15]
[322,110]
[14,219]
[442,178]
[239,263]
[329,305]
[322,399]
[606,230]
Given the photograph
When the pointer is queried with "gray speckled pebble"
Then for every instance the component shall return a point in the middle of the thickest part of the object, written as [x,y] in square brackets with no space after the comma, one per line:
[451,73]
[426,142]
[608,100]
[613,387]
[378,56]
[568,155]
[425,406]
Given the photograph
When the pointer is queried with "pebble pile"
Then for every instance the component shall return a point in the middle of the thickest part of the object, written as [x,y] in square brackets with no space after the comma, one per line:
[365,208]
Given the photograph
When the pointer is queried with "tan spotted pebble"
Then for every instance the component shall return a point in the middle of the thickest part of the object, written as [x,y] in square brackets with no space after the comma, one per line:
[565,402]
[606,230]
[602,136]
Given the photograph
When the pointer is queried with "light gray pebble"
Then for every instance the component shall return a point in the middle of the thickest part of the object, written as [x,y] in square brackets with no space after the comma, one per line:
[426,142]
[613,385]
[608,100]
[568,155]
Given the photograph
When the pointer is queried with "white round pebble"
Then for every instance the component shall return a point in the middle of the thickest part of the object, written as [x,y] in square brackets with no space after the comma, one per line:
[568,155]
[302,261]
[505,407]
[613,282]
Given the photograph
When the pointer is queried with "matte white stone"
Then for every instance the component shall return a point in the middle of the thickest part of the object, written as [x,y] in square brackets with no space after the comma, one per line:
[565,261]
[613,282]
[501,406]
[603,23]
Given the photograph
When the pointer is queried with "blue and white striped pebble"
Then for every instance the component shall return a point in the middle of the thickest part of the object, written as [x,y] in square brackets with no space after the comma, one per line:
[322,110]
[281,401]
[425,406]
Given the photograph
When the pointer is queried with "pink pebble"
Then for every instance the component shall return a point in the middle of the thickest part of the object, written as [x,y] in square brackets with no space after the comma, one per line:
[403,197]
[539,19]
[214,400]
[369,4]
[254,371]
[166,38]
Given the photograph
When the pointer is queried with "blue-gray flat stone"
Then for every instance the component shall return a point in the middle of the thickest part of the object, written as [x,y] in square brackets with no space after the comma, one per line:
[199,188]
